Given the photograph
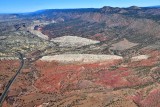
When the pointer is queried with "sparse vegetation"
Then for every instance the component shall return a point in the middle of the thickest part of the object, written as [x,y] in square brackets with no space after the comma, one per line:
[130,36]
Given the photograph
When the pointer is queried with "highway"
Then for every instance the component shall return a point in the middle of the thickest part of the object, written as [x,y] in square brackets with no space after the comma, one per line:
[4,94]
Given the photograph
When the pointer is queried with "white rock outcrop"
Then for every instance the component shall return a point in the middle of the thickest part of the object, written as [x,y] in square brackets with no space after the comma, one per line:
[73,41]
[80,58]
[139,58]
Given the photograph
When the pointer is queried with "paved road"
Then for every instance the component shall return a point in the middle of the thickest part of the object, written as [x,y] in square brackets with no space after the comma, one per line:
[4,94]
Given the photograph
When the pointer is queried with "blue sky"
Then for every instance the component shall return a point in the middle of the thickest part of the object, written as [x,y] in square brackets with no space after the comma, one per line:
[14,6]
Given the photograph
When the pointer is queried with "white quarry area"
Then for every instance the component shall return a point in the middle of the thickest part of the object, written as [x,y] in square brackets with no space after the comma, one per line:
[73,41]
[139,58]
[80,58]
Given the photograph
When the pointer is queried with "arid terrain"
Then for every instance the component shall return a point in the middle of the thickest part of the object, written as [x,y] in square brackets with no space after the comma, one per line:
[95,57]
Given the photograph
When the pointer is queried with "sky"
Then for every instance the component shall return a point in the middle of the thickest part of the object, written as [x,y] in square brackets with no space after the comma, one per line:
[21,6]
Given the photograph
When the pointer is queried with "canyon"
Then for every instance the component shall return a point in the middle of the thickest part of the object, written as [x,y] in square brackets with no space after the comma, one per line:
[93,57]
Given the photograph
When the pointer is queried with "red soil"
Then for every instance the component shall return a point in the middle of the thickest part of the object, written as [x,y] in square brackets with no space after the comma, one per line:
[54,75]
[67,79]
[151,100]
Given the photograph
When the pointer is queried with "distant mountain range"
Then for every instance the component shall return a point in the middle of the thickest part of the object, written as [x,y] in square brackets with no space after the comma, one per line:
[158,6]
